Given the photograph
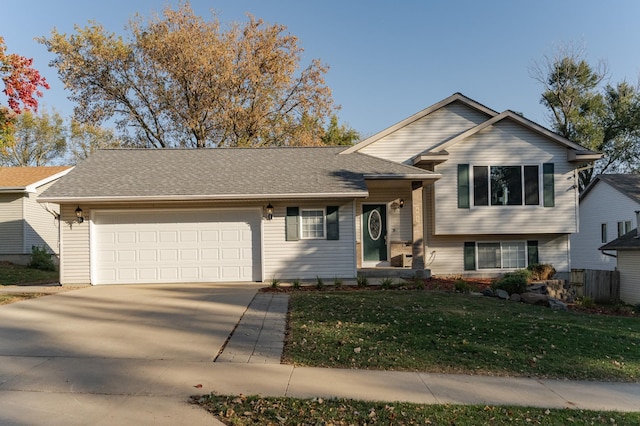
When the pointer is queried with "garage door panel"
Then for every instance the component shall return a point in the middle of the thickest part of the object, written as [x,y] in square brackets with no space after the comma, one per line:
[171,246]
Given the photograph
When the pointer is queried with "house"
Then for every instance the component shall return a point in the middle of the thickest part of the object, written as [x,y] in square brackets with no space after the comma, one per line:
[607,208]
[627,248]
[234,214]
[23,222]
[508,193]
[457,188]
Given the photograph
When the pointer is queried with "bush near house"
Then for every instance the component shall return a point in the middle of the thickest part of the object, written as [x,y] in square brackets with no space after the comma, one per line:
[41,259]
[514,282]
[541,272]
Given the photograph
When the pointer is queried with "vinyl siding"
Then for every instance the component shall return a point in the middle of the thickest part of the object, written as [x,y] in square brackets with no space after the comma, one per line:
[41,228]
[442,124]
[504,144]
[11,223]
[307,258]
[74,247]
[445,256]
[629,266]
[596,209]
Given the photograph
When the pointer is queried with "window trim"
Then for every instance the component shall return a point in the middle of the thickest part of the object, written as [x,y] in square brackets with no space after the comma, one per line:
[528,244]
[545,184]
[603,233]
[324,223]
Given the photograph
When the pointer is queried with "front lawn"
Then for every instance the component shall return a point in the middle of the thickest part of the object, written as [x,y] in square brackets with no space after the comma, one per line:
[242,410]
[11,274]
[453,333]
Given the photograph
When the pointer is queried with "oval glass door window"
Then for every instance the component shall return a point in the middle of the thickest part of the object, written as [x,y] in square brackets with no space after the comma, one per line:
[375,225]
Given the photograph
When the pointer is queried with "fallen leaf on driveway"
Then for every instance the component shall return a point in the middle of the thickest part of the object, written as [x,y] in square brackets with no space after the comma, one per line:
[198,386]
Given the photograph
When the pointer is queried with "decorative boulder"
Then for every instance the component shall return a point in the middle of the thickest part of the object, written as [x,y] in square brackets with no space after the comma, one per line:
[487,292]
[535,299]
[557,304]
[502,294]
[515,297]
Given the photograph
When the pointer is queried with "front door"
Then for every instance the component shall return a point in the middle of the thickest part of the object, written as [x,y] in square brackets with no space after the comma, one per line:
[374,232]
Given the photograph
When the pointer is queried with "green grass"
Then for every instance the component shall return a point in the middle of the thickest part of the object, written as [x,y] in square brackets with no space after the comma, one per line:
[455,333]
[242,410]
[11,274]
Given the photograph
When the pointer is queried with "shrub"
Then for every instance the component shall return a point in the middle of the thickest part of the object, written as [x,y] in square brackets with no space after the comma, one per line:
[41,259]
[461,286]
[418,282]
[274,282]
[337,282]
[362,281]
[387,283]
[587,302]
[296,284]
[319,283]
[542,271]
[513,282]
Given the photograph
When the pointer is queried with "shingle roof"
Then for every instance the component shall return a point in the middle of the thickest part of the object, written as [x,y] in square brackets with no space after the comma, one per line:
[628,241]
[225,173]
[628,184]
[22,177]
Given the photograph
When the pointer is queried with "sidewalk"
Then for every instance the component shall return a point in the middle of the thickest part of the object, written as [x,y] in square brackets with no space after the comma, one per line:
[242,367]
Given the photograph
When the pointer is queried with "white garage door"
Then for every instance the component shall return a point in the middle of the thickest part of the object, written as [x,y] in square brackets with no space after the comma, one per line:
[175,246]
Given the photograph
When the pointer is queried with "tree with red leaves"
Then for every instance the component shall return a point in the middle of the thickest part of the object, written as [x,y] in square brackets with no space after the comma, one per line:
[22,84]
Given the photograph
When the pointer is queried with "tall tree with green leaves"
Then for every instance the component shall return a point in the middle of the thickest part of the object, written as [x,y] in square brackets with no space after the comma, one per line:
[603,118]
[339,134]
[35,140]
[180,80]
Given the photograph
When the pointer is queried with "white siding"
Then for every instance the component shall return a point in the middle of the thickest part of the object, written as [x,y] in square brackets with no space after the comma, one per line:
[74,247]
[41,227]
[505,144]
[308,259]
[603,204]
[629,266]
[445,254]
[11,224]
[442,124]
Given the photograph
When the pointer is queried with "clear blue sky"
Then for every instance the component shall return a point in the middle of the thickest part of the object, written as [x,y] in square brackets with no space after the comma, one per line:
[388,59]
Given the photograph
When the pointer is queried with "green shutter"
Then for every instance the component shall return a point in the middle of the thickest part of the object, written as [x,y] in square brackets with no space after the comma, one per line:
[292,224]
[532,252]
[548,185]
[463,186]
[469,256]
[333,229]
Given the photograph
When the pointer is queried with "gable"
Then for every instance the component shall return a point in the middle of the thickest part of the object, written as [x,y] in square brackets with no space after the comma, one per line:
[426,132]
[627,185]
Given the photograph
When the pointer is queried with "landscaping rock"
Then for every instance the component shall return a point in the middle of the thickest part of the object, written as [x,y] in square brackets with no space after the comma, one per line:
[502,294]
[475,293]
[557,304]
[487,292]
[537,288]
[535,299]
[515,298]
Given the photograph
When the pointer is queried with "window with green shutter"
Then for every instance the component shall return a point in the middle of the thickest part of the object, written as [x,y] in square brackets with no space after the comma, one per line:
[292,224]
[333,223]
[548,187]
[469,256]
[463,186]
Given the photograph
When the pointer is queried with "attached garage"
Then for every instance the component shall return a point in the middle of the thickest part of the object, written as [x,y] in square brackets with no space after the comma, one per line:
[175,246]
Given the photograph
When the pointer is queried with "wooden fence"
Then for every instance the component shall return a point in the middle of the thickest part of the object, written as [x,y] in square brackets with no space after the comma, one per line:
[599,285]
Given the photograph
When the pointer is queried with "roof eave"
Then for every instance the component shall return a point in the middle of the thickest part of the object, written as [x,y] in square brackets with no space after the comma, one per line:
[582,156]
[218,197]
[407,176]
[13,189]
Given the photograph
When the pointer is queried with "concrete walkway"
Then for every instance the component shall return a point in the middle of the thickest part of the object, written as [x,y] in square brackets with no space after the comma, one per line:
[245,369]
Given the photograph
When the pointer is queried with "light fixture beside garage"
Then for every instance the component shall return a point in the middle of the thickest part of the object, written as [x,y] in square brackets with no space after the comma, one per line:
[79,216]
[269,209]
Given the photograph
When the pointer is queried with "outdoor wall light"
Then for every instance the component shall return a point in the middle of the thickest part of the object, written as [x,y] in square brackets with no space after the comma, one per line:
[401,203]
[269,211]
[79,217]
[397,204]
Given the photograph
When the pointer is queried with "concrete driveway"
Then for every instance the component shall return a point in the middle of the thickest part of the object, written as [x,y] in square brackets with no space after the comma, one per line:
[115,354]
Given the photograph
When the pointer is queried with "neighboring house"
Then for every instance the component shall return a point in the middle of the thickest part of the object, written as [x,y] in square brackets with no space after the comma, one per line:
[23,222]
[627,248]
[607,207]
[508,194]
[204,215]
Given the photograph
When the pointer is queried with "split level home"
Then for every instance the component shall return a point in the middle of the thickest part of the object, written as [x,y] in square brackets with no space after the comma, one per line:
[627,249]
[24,222]
[607,211]
[455,189]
